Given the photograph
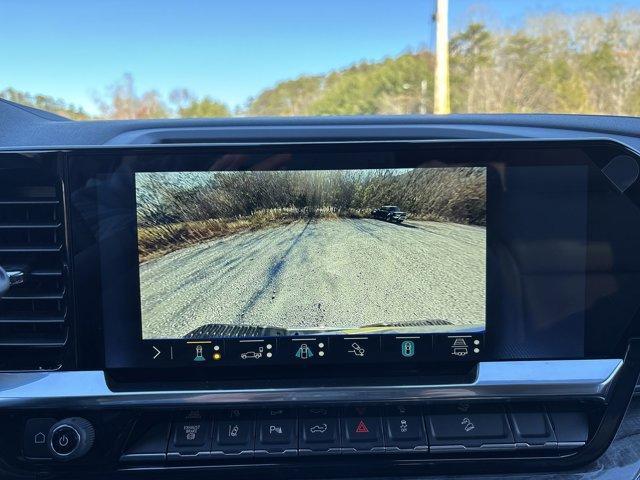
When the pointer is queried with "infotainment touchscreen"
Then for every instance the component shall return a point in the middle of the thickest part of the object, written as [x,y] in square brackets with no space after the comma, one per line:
[419,254]
[286,253]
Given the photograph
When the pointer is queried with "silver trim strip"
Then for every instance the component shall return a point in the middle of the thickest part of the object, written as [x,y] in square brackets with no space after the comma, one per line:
[481,448]
[587,137]
[495,380]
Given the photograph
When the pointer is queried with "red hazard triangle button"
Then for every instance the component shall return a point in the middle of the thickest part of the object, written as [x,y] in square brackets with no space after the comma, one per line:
[362,427]
[363,432]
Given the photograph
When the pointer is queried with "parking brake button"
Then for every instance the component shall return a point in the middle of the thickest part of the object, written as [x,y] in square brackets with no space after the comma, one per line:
[277,433]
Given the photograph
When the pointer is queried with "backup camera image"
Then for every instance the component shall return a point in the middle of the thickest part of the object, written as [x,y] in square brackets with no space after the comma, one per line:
[263,253]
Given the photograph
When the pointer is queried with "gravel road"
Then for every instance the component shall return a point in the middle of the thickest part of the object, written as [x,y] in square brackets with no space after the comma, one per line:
[327,273]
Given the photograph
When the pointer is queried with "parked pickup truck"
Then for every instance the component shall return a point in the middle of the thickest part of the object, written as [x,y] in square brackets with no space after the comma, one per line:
[389,213]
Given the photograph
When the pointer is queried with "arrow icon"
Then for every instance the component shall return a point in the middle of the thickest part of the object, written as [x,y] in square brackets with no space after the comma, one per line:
[158,352]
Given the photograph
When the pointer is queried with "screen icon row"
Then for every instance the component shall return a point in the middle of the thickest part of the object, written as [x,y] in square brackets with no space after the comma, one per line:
[320,349]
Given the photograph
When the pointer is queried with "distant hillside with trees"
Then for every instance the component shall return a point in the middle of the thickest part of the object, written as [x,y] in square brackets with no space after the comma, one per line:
[585,63]
[45,102]
[556,63]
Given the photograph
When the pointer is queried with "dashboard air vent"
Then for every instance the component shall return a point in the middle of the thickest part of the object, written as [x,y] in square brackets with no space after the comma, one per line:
[33,312]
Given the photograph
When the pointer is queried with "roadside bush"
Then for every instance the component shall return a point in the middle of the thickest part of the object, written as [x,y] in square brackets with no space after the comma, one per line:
[176,209]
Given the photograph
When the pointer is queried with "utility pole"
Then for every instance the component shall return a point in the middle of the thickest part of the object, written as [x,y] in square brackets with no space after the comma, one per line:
[441,103]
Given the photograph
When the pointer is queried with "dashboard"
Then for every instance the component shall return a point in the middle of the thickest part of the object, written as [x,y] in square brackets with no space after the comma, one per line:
[318,298]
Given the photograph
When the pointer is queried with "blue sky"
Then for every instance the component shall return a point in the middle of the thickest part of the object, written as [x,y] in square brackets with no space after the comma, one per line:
[227,49]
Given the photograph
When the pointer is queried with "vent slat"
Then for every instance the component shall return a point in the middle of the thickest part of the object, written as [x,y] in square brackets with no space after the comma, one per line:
[33,314]
[18,296]
[30,248]
[32,320]
[30,202]
[46,273]
[24,225]
[33,342]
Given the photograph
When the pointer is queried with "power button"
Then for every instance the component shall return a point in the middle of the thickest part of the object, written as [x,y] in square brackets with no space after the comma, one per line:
[64,440]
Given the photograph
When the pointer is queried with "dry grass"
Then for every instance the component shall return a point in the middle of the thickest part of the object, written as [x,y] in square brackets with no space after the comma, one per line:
[159,240]
[154,242]
[175,211]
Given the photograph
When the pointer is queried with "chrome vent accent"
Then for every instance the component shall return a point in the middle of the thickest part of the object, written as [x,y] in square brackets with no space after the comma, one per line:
[33,312]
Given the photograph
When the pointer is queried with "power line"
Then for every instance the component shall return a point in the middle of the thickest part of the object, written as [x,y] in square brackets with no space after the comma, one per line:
[441,103]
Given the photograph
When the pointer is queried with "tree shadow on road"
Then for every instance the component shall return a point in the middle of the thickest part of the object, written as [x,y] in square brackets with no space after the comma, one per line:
[404,224]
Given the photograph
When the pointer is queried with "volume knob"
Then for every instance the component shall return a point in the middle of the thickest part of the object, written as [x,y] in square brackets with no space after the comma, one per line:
[71,438]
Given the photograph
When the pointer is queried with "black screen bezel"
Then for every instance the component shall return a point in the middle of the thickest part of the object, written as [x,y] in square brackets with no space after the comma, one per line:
[84,164]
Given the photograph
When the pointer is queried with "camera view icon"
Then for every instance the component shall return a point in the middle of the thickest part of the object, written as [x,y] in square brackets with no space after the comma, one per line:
[357,350]
[252,354]
[459,348]
[304,352]
[408,348]
[199,357]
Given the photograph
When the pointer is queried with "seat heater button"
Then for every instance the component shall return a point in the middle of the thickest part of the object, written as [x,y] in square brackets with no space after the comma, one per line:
[404,429]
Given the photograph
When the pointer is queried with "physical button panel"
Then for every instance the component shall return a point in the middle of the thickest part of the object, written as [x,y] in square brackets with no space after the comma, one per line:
[326,430]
